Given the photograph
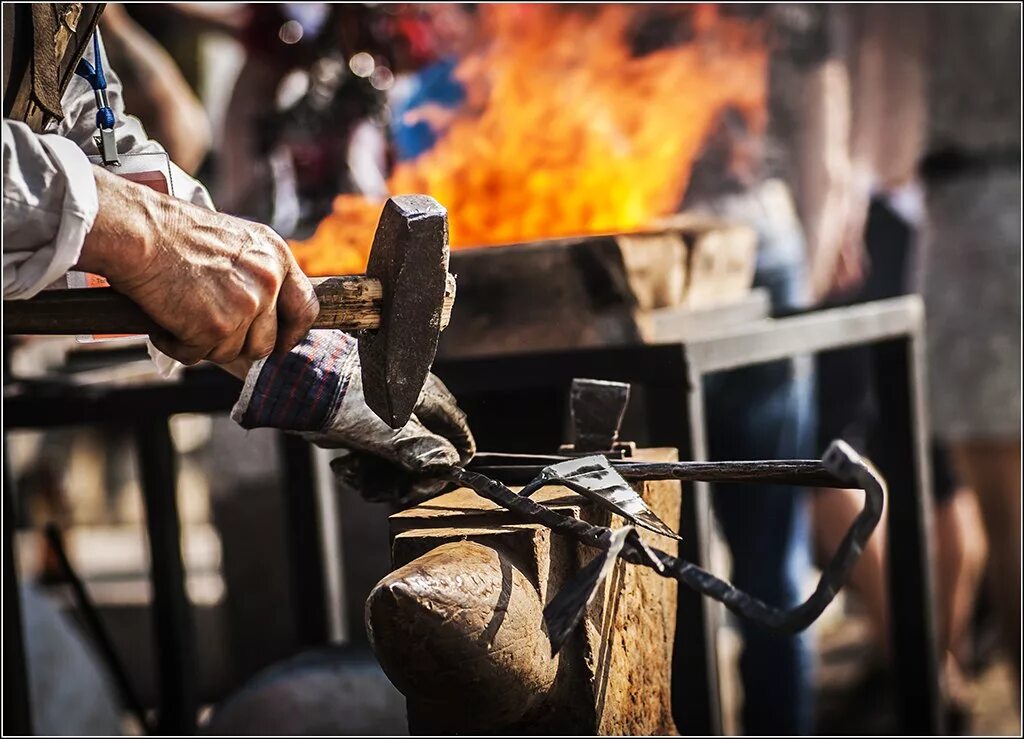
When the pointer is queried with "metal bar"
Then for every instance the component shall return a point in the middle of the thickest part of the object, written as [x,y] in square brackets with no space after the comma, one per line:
[764,341]
[37,405]
[696,705]
[809,333]
[685,324]
[172,614]
[903,451]
[807,472]
[840,458]
[17,712]
[90,614]
[331,549]
[698,510]
[306,567]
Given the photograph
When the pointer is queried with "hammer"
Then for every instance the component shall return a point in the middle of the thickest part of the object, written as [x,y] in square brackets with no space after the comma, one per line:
[397,309]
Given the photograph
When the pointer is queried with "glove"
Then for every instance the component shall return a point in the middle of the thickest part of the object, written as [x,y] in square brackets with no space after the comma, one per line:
[316,389]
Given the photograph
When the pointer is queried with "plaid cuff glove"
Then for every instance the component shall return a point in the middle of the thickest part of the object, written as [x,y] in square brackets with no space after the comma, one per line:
[316,389]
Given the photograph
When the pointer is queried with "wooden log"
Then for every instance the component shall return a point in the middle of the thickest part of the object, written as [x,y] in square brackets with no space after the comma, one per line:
[721,258]
[458,626]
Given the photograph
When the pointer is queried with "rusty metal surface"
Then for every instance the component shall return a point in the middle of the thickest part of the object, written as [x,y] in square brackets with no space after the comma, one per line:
[410,258]
[597,408]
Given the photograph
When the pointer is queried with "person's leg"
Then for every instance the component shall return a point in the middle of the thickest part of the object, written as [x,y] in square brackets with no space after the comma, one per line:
[767,412]
[848,410]
[763,413]
[833,512]
[972,290]
[961,550]
[766,527]
[992,469]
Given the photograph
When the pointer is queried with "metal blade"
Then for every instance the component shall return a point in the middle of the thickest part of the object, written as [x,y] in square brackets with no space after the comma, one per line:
[566,609]
[595,478]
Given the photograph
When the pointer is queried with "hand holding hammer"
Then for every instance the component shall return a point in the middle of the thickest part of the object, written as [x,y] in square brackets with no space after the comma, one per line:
[397,309]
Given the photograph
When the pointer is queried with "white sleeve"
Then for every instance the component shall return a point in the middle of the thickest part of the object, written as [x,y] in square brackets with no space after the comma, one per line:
[49,191]
[49,205]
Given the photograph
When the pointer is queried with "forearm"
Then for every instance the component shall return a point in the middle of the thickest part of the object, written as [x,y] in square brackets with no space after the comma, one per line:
[131,219]
[824,164]
[888,91]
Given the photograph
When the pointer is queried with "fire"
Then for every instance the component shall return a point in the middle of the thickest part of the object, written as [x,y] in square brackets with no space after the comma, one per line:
[565,129]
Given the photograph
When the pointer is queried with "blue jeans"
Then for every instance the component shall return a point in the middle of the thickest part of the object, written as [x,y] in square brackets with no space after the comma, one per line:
[767,412]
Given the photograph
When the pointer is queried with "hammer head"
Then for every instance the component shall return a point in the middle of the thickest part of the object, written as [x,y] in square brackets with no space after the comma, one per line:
[410,258]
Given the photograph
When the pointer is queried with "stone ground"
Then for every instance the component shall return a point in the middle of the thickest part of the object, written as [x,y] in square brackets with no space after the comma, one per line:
[855,696]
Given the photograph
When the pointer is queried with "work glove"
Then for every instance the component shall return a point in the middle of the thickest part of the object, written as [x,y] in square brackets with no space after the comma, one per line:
[316,390]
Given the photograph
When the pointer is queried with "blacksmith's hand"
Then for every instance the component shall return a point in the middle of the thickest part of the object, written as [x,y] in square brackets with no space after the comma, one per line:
[221,287]
[316,389]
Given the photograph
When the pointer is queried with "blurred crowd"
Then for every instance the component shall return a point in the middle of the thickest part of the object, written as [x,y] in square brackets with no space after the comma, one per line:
[889,163]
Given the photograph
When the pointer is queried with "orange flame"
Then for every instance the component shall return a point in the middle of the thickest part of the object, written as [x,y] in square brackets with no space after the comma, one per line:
[563,130]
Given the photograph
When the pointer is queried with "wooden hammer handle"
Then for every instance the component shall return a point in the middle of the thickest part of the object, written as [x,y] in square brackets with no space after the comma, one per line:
[349,303]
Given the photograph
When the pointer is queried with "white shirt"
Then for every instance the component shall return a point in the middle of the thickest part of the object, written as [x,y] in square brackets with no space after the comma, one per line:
[49,197]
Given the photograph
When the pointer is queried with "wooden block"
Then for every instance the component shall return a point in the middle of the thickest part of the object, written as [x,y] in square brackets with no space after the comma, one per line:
[722,262]
[458,626]
[721,258]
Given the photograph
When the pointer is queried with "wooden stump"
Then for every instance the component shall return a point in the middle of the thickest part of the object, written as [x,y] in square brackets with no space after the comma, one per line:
[458,626]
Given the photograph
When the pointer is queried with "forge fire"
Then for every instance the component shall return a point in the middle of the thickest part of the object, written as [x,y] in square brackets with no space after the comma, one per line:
[572,121]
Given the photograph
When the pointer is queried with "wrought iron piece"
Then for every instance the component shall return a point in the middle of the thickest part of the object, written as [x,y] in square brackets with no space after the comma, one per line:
[566,609]
[848,469]
[595,478]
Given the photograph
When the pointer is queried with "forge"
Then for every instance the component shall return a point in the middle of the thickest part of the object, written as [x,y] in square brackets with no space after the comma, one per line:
[595,291]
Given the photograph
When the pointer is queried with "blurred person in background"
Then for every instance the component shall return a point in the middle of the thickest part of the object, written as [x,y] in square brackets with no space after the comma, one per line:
[933,111]
[159,93]
[306,114]
[767,412]
[426,92]
[971,270]
[875,248]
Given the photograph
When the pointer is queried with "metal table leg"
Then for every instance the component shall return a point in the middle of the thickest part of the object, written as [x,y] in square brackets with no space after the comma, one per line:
[903,460]
[675,417]
[306,566]
[17,706]
[172,615]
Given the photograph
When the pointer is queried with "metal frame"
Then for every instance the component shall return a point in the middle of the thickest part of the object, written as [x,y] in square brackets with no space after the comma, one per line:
[147,408]
[672,375]
[17,716]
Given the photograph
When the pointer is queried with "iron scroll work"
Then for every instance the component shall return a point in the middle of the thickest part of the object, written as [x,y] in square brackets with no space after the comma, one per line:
[841,466]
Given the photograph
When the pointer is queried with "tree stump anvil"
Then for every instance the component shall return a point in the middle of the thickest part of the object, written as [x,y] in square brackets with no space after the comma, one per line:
[458,625]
